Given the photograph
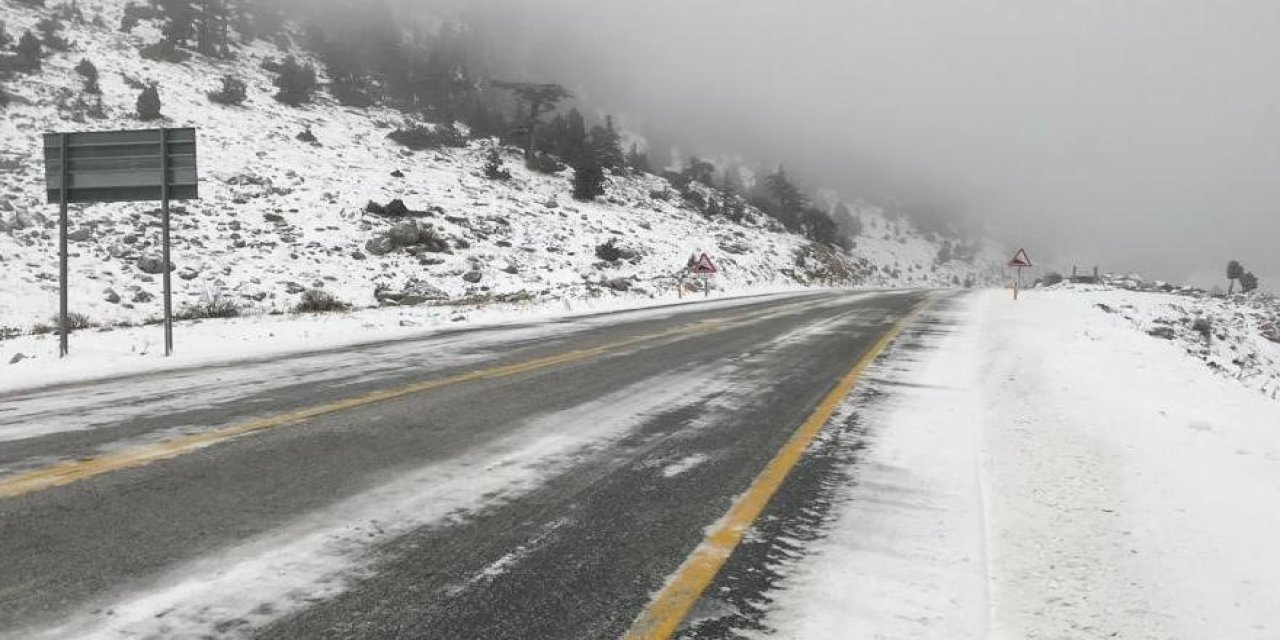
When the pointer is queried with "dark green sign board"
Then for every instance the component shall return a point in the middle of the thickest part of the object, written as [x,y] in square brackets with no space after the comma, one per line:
[121,166]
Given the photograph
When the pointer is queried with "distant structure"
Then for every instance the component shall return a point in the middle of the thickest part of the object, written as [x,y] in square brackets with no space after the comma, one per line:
[1084,278]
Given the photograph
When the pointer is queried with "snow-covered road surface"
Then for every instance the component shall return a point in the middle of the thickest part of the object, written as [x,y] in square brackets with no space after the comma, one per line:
[1045,470]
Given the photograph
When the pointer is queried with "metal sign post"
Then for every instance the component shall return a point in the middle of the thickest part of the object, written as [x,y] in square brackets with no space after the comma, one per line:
[120,166]
[63,181]
[164,233]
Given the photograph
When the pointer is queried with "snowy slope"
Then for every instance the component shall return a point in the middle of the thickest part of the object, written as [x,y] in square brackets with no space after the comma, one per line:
[279,215]
[1238,337]
[1045,469]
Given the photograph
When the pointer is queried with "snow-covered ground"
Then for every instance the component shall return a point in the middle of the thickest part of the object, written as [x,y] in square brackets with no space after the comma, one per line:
[1046,469]
[279,215]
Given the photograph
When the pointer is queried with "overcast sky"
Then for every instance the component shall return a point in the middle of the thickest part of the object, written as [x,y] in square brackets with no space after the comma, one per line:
[1140,134]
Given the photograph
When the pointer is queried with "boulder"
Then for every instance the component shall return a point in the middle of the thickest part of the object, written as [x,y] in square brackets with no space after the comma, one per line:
[379,246]
[396,208]
[472,276]
[152,265]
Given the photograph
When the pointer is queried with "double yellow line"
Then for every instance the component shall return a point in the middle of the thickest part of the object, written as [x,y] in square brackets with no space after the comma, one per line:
[65,473]
[668,609]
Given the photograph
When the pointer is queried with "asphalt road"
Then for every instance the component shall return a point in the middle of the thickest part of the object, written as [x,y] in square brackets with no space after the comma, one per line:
[539,481]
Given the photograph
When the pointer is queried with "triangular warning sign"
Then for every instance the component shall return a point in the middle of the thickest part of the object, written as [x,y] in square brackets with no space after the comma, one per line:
[1020,259]
[704,265]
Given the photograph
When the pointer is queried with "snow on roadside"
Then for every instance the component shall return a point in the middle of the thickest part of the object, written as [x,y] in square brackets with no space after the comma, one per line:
[904,556]
[1115,486]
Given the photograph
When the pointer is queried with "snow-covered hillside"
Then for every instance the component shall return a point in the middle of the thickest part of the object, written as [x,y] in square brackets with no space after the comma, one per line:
[1238,337]
[280,215]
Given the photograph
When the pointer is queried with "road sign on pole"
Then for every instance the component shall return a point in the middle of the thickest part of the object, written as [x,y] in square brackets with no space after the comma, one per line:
[120,166]
[1019,260]
[704,268]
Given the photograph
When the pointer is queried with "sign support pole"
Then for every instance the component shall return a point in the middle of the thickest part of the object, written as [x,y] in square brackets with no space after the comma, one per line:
[164,221]
[63,322]
[1017,284]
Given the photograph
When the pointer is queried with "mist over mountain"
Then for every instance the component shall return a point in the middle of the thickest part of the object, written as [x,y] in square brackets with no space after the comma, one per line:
[1139,136]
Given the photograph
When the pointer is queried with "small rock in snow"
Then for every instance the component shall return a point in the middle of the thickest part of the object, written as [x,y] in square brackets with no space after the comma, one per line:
[152,265]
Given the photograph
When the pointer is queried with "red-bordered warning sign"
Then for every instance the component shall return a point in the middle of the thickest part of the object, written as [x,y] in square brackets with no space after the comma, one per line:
[704,266]
[1020,259]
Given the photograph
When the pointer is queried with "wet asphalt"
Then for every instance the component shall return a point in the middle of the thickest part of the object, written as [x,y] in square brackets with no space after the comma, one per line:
[580,553]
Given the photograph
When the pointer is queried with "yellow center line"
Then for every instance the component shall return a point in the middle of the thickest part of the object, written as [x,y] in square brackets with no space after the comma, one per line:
[662,617]
[68,472]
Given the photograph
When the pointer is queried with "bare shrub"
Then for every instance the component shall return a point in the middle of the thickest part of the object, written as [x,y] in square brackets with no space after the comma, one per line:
[419,137]
[212,304]
[319,301]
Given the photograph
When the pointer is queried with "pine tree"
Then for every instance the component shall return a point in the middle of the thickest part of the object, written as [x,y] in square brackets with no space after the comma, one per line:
[1248,282]
[945,252]
[637,160]
[783,200]
[818,226]
[29,52]
[347,80]
[179,21]
[211,22]
[588,180]
[49,31]
[5,38]
[233,92]
[539,99]
[606,144]
[296,82]
[849,224]
[701,171]
[149,104]
[494,169]
[731,180]
[573,145]
[1235,271]
[89,72]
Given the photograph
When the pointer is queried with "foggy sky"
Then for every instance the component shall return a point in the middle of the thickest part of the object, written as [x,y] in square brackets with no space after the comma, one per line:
[1138,134]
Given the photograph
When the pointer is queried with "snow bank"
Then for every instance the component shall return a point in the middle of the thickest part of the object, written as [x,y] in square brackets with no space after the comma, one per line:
[1114,485]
